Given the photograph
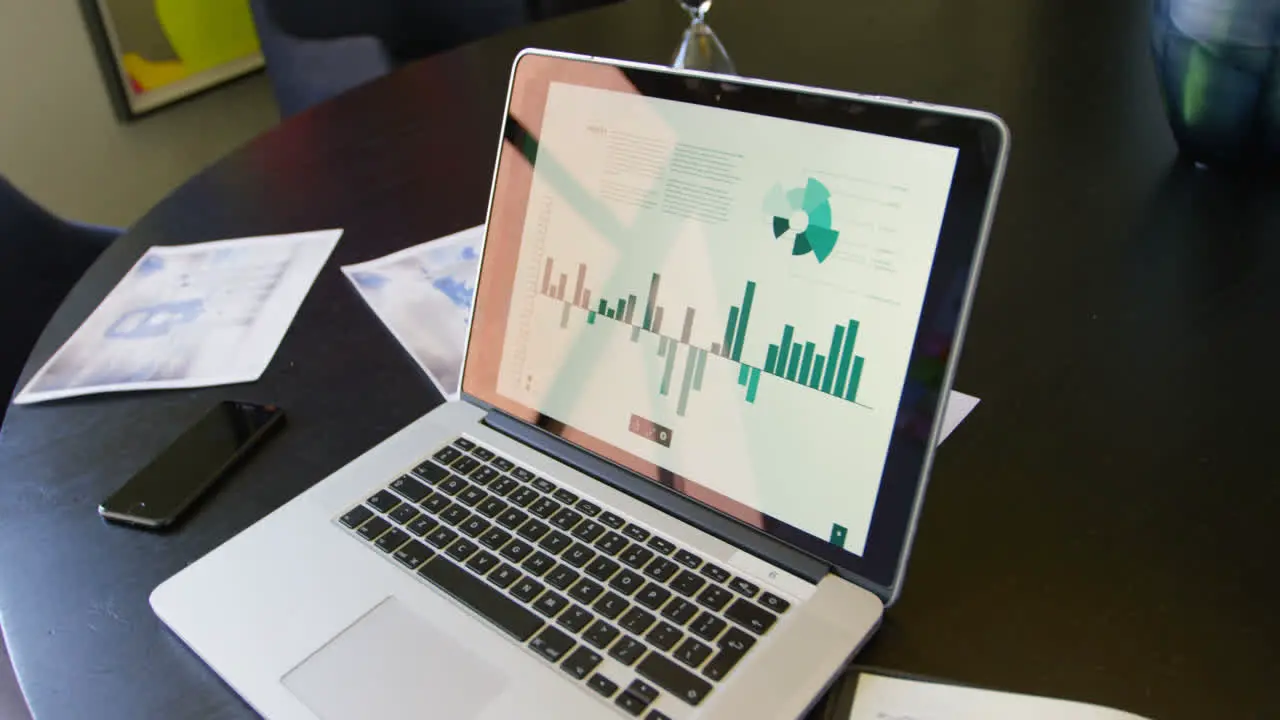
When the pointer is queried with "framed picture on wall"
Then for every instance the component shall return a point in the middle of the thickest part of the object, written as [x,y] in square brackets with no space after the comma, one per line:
[156,52]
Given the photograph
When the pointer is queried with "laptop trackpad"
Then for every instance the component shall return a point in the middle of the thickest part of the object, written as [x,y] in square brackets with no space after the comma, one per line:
[393,663]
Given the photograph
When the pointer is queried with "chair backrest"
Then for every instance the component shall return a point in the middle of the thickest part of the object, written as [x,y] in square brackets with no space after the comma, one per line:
[41,258]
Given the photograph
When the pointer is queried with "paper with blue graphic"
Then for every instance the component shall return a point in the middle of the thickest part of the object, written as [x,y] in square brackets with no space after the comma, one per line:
[188,316]
[423,295]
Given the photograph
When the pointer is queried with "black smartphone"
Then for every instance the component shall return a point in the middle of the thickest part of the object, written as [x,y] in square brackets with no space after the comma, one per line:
[159,493]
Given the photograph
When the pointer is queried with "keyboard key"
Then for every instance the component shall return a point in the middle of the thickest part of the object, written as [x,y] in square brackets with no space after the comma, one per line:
[503,464]
[494,538]
[600,634]
[714,597]
[453,485]
[575,618]
[527,589]
[533,530]
[636,556]
[521,474]
[436,503]
[715,572]
[688,559]
[692,653]
[431,472]
[491,507]
[774,603]
[474,526]
[578,555]
[630,703]
[454,514]
[372,529]
[504,576]
[413,554]
[626,582]
[581,662]
[355,516]
[673,678]
[602,568]
[447,455]
[564,496]
[562,577]
[635,532]
[482,562]
[550,603]
[611,520]
[404,513]
[602,685]
[471,496]
[503,485]
[552,644]
[516,550]
[661,546]
[627,650]
[391,540]
[664,636]
[545,507]
[464,465]
[383,500]
[588,508]
[743,587]
[656,715]
[661,569]
[611,605]
[637,620]
[490,604]
[461,550]
[679,611]
[565,519]
[511,518]
[588,530]
[751,616]
[653,595]
[522,497]
[555,542]
[441,536]
[463,443]
[707,626]
[643,690]
[612,543]
[733,645]
[483,453]
[538,563]
[410,488]
[687,583]
[586,591]
[484,475]
[543,485]
[422,525]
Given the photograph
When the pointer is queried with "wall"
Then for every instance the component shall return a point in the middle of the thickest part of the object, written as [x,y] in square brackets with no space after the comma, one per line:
[60,140]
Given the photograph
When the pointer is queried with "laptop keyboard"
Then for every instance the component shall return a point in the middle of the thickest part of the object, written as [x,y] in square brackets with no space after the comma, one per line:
[570,579]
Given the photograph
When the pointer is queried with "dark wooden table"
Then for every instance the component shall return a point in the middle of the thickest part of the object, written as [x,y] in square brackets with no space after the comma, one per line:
[1103,527]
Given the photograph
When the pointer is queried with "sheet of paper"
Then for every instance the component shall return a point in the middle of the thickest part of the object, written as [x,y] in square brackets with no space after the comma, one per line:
[885,698]
[959,405]
[423,295]
[188,316]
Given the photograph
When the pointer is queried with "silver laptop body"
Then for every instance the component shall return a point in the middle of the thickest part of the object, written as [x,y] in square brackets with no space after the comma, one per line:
[365,598]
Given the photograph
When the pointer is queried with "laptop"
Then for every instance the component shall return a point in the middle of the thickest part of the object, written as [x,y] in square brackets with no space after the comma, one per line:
[715,324]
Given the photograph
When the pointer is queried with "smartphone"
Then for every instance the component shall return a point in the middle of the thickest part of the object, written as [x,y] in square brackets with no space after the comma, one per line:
[160,492]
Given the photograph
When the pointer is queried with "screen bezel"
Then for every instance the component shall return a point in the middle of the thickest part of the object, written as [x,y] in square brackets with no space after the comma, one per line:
[981,140]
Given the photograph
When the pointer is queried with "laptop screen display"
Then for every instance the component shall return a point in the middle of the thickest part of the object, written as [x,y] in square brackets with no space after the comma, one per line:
[721,300]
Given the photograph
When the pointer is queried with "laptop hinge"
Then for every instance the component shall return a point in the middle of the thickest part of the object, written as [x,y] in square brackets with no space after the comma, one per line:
[712,522]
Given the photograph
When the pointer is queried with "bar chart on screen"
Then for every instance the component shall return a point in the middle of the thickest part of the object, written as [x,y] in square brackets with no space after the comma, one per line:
[837,373]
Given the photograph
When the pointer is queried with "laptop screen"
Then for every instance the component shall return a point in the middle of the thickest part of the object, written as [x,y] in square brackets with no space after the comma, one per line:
[722,300]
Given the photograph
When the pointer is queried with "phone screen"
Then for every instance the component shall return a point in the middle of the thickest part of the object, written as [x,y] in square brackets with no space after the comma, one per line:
[159,492]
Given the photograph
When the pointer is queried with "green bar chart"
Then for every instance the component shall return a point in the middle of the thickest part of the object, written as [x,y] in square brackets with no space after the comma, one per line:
[792,359]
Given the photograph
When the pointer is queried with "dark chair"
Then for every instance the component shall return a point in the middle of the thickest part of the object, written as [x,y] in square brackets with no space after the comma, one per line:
[41,258]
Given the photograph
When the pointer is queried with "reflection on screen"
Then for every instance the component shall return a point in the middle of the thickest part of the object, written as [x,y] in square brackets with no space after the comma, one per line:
[728,296]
